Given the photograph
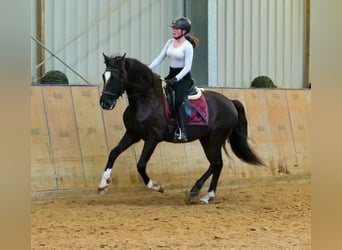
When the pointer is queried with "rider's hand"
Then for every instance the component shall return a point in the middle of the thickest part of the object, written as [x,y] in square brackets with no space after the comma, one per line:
[172,81]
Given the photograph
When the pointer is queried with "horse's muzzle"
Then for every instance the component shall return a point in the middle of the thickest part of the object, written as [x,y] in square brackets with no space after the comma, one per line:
[107,104]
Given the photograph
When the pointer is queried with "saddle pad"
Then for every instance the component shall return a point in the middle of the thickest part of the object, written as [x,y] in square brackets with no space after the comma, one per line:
[199,111]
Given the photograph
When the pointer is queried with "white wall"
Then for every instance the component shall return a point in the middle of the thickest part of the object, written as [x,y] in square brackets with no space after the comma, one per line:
[264,37]
[78,31]
[246,38]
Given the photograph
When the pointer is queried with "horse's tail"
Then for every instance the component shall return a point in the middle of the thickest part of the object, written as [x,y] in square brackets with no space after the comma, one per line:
[239,138]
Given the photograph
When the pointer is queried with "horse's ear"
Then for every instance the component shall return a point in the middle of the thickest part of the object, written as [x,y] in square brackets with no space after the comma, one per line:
[123,57]
[105,57]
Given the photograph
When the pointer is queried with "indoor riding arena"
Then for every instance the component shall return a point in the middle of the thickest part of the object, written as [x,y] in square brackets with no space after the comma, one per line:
[255,207]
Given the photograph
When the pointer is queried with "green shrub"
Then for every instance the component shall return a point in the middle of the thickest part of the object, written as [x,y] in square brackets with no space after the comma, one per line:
[54,77]
[263,82]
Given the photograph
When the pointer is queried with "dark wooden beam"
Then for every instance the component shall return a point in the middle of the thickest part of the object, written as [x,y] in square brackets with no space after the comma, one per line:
[40,36]
[307,44]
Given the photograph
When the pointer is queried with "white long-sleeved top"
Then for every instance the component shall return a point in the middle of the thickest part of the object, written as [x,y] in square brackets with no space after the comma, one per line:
[180,57]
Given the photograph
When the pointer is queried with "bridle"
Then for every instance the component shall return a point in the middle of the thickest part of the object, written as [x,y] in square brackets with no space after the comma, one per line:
[122,74]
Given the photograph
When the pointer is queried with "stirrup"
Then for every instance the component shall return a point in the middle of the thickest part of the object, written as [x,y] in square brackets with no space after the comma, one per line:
[180,136]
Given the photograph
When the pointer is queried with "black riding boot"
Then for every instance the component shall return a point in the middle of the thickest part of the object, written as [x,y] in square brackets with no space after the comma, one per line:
[180,134]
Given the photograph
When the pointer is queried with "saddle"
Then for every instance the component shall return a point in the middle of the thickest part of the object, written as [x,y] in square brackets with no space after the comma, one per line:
[195,106]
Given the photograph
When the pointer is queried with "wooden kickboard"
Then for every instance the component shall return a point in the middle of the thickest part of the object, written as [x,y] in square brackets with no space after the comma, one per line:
[259,126]
[42,166]
[299,104]
[64,137]
[90,132]
[174,162]
[281,129]
[237,168]
[72,137]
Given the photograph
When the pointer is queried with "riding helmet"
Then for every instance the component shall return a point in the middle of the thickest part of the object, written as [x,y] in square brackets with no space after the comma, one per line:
[183,23]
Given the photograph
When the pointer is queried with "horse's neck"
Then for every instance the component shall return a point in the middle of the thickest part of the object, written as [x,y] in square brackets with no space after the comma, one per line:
[152,95]
[140,82]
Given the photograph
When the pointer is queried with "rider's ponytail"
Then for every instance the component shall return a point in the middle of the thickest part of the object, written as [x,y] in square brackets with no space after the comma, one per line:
[193,40]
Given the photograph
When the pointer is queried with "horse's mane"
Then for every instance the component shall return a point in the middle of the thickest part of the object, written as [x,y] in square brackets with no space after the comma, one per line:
[140,73]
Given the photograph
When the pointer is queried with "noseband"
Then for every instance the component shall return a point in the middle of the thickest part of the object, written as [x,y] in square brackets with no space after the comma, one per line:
[111,94]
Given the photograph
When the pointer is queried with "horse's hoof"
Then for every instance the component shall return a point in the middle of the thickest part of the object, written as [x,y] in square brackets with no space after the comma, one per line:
[192,195]
[204,201]
[102,191]
[190,198]
[161,189]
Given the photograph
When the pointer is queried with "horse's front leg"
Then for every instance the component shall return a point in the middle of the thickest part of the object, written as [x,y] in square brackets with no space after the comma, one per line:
[146,154]
[126,141]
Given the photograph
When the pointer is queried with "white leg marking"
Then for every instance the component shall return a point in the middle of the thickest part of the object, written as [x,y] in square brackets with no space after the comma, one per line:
[208,197]
[149,184]
[154,186]
[105,178]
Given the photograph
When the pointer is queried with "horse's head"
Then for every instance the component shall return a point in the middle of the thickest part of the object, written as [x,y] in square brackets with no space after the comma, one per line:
[113,81]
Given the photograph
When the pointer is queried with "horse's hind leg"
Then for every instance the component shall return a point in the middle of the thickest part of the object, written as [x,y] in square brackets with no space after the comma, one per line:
[126,141]
[194,192]
[212,149]
[213,184]
[215,170]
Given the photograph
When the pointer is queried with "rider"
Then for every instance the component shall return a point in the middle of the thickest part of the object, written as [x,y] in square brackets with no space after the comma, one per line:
[179,50]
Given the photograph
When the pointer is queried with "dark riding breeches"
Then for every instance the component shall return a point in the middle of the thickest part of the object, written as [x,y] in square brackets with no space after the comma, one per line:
[181,87]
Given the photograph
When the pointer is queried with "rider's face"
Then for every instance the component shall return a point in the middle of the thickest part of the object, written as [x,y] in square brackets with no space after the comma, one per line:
[177,32]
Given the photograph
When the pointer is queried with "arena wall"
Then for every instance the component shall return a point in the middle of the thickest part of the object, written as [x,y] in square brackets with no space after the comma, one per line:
[71,137]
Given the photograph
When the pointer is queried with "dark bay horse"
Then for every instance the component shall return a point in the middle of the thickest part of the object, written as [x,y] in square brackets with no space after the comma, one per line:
[144,119]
